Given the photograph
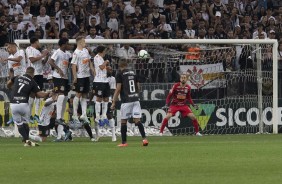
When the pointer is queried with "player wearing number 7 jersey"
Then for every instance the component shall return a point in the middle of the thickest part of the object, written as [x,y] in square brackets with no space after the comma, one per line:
[178,97]
[128,89]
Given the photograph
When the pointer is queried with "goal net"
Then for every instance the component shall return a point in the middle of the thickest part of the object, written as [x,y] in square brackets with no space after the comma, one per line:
[234,82]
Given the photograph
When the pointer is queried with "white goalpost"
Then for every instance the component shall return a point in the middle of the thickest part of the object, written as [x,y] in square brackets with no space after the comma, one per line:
[223,110]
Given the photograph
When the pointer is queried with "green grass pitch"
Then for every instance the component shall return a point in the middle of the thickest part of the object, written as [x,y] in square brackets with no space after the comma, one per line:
[226,159]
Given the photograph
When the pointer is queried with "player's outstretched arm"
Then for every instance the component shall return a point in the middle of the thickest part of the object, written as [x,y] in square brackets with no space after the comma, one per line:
[42,94]
[10,84]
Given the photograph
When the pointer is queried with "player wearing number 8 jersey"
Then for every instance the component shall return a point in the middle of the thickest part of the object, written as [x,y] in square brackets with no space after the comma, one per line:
[81,67]
[128,89]
[178,97]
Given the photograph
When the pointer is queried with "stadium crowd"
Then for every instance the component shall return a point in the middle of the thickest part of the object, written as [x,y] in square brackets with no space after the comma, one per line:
[140,19]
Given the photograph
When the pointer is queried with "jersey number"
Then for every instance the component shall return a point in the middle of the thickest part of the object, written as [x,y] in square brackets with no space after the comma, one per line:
[131,86]
[21,87]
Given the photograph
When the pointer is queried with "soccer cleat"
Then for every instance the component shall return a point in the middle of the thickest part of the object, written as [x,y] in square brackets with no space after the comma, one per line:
[68,136]
[34,143]
[60,121]
[106,122]
[145,142]
[10,121]
[36,118]
[26,145]
[114,139]
[31,120]
[75,118]
[97,138]
[93,140]
[84,118]
[199,134]
[123,145]
[30,143]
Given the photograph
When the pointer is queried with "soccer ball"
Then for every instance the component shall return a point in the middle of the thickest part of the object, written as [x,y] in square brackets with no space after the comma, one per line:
[142,54]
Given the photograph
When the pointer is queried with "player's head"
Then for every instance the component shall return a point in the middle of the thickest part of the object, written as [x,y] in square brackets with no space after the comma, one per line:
[34,42]
[122,64]
[80,40]
[63,43]
[101,50]
[183,78]
[30,71]
[12,48]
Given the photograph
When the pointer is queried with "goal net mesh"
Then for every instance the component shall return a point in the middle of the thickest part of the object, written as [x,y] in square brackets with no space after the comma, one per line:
[224,81]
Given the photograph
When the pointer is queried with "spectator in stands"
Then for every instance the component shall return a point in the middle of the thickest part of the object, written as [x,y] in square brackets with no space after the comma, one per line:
[259,31]
[190,33]
[43,19]
[126,52]
[93,23]
[79,15]
[137,32]
[112,22]
[52,28]
[14,33]
[15,8]
[73,30]
[26,14]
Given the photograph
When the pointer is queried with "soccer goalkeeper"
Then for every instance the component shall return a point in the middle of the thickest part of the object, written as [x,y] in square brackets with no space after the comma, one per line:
[178,97]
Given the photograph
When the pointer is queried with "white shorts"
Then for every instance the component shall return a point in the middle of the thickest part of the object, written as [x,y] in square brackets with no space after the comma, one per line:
[20,113]
[131,109]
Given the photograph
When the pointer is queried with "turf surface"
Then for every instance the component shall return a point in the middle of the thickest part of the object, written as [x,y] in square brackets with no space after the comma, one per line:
[224,159]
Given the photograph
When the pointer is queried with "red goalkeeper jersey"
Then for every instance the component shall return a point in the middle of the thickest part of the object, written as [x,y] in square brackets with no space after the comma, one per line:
[179,95]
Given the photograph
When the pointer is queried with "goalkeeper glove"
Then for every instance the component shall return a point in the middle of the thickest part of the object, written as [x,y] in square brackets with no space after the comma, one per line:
[165,107]
[196,107]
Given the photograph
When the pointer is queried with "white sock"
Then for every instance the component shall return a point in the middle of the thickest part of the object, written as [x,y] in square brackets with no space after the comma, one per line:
[113,127]
[37,106]
[75,105]
[59,106]
[83,106]
[104,109]
[60,131]
[98,109]
[35,138]
[30,102]
[64,106]
[96,127]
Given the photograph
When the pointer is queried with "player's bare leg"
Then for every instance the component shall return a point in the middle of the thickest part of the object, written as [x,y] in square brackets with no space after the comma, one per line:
[112,126]
[104,110]
[165,122]
[98,109]
[195,123]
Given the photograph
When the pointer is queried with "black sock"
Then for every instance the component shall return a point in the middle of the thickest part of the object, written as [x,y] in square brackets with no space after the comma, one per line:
[26,129]
[56,128]
[141,129]
[66,128]
[22,131]
[88,130]
[123,131]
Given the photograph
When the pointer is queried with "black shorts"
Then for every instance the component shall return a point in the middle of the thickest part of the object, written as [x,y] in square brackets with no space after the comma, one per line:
[101,89]
[44,131]
[39,81]
[82,85]
[60,85]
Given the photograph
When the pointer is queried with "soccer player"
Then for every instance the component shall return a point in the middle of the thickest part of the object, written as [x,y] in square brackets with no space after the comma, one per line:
[128,89]
[36,59]
[60,62]
[101,85]
[24,85]
[110,113]
[16,60]
[46,119]
[178,97]
[81,67]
